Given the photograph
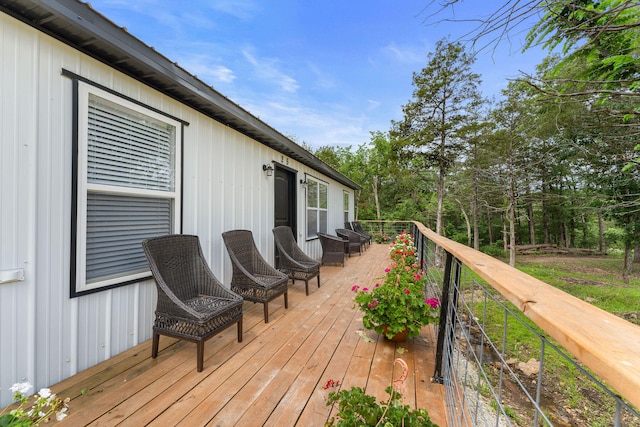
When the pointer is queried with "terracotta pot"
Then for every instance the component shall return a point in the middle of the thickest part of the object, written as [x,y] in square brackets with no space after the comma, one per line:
[399,337]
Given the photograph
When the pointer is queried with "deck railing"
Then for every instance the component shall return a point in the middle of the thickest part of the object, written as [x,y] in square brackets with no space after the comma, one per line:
[492,314]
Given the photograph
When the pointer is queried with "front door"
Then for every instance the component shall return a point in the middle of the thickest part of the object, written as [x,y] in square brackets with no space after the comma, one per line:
[285,201]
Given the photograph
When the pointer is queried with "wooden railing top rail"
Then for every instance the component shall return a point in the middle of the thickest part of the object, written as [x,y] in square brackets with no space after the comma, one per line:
[605,343]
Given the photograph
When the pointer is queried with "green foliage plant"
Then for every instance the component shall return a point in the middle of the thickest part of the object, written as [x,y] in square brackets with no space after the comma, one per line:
[356,408]
[398,304]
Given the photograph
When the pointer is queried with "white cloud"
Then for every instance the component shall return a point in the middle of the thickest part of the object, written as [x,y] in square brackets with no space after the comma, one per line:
[242,9]
[207,69]
[373,104]
[268,69]
[409,54]
[322,80]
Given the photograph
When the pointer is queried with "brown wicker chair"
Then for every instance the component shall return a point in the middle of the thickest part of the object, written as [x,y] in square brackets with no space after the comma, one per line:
[192,304]
[293,261]
[355,240]
[333,249]
[253,278]
[357,227]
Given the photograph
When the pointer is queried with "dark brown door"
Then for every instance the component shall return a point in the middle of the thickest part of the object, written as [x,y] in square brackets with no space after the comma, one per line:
[285,201]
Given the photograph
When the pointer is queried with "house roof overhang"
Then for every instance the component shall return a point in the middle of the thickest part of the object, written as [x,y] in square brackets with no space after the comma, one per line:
[78,25]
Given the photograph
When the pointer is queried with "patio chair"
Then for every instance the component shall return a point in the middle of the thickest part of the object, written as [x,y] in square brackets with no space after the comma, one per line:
[293,261]
[333,248]
[357,227]
[355,240]
[192,304]
[253,278]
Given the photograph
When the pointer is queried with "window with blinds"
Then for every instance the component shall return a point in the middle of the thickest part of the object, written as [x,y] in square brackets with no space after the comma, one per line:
[316,207]
[128,187]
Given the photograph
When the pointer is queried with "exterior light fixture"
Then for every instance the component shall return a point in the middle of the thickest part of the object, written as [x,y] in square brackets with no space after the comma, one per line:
[303,182]
[268,169]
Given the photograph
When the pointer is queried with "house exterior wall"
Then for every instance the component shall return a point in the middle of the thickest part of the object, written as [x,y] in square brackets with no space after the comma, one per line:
[46,336]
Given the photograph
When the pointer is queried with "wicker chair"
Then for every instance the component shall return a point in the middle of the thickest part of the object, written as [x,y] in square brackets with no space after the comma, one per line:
[293,261]
[253,278]
[333,248]
[355,240]
[192,304]
[357,227]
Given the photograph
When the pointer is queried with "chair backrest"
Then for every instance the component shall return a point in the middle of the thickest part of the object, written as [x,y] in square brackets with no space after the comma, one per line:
[242,248]
[349,234]
[176,262]
[347,225]
[284,239]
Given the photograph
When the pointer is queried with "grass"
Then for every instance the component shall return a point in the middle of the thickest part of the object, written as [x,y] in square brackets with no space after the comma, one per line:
[597,280]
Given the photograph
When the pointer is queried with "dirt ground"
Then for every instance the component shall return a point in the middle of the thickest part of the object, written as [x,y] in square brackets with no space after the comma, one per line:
[592,406]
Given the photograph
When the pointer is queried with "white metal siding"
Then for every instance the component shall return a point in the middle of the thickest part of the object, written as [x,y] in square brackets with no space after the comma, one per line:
[45,336]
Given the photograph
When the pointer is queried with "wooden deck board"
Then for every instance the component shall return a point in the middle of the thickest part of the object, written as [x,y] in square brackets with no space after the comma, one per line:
[275,377]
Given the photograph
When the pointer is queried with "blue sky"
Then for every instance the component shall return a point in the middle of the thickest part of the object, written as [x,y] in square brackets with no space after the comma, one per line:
[322,72]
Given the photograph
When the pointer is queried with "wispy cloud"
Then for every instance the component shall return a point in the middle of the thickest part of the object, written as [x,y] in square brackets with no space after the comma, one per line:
[241,9]
[267,69]
[405,54]
[322,79]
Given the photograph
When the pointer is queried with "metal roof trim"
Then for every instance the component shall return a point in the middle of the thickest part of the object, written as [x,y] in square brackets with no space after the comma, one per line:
[80,26]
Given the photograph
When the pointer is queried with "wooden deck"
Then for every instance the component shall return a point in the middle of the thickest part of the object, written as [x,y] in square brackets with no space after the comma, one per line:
[275,377]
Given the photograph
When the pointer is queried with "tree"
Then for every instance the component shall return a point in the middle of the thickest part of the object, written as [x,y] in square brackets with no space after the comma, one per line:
[434,121]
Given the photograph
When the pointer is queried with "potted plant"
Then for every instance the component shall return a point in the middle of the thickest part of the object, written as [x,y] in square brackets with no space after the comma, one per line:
[398,305]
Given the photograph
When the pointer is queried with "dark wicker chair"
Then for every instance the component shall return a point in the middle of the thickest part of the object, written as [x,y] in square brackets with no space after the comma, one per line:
[192,304]
[355,240]
[293,261]
[357,227]
[333,248]
[253,278]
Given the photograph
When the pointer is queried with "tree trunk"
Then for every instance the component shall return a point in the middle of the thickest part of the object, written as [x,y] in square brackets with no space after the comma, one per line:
[636,254]
[476,232]
[466,220]
[505,235]
[532,229]
[374,187]
[601,244]
[628,262]
[489,227]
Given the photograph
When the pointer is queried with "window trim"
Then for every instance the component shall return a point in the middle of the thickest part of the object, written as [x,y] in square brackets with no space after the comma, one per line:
[346,198]
[82,90]
[318,209]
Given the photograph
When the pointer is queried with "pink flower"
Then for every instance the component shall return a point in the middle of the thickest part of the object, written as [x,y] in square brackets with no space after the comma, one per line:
[377,285]
[373,304]
[407,291]
[365,289]
[407,268]
[355,288]
[414,265]
[417,276]
[386,270]
[433,302]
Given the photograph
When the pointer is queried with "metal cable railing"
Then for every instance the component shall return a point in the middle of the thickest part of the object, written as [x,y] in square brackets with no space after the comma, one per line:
[496,364]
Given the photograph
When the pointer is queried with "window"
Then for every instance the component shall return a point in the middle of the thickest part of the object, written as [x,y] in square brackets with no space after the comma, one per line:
[345,203]
[128,187]
[316,208]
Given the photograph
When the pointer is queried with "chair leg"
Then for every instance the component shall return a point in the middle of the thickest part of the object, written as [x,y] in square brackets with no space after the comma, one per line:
[318,279]
[240,330]
[200,345]
[306,286]
[154,346]
[286,300]
[266,312]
